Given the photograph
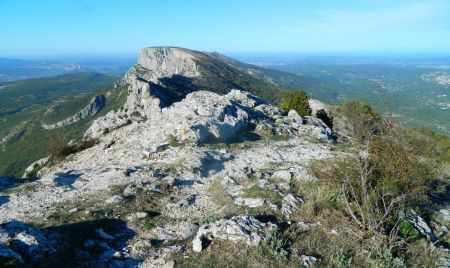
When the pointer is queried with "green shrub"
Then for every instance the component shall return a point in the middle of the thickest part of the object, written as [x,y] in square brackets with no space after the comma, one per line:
[298,101]
[406,230]
[210,219]
[340,259]
[33,173]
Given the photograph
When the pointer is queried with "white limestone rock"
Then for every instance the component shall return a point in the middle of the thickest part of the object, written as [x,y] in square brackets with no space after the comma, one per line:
[246,229]
[308,261]
[316,105]
[114,199]
[105,124]
[294,116]
[249,202]
[284,175]
[178,232]
[290,204]
[168,61]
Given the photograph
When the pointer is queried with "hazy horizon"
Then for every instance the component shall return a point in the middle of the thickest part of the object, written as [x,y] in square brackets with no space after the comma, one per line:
[236,55]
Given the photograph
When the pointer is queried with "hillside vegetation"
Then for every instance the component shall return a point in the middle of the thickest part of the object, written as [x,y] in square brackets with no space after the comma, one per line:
[27,104]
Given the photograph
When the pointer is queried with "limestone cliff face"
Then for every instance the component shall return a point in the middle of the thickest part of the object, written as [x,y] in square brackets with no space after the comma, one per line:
[168,61]
[144,79]
[147,93]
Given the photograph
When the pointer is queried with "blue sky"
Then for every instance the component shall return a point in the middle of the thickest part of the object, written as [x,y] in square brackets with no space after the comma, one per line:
[52,27]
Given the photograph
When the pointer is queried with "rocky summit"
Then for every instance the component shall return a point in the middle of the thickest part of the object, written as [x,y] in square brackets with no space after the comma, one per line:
[169,175]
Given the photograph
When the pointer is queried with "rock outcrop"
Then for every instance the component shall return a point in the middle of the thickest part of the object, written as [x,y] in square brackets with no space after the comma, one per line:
[244,229]
[95,105]
[146,88]
[166,62]
[32,170]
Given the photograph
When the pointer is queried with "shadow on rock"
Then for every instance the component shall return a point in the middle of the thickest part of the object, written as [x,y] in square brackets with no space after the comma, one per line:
[97,243]
[67,178]
[185,183]
[3,200]
[213,163]
[23,244]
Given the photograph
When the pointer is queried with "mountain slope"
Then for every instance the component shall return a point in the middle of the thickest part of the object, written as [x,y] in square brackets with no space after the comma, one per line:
[216,73]
[54,100]
[222,179]
[28,104]
[156,179]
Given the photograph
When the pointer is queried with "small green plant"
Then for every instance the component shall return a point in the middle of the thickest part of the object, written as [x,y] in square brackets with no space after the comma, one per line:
[117,189]
[210,219]
[173,141]
[33,173]
[148,224]
[136,114]
[274,245]
[279,137]
[342,260]
[407,230]
[176,166]
[298,101]
[254,192]
[385,259]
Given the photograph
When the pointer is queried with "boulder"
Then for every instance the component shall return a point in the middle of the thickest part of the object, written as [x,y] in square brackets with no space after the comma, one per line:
[246,229]
[178,232]
[420,224]
[284,175]
[316,105]
[290,204]
[114,199]
[308,261]
[294,116]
